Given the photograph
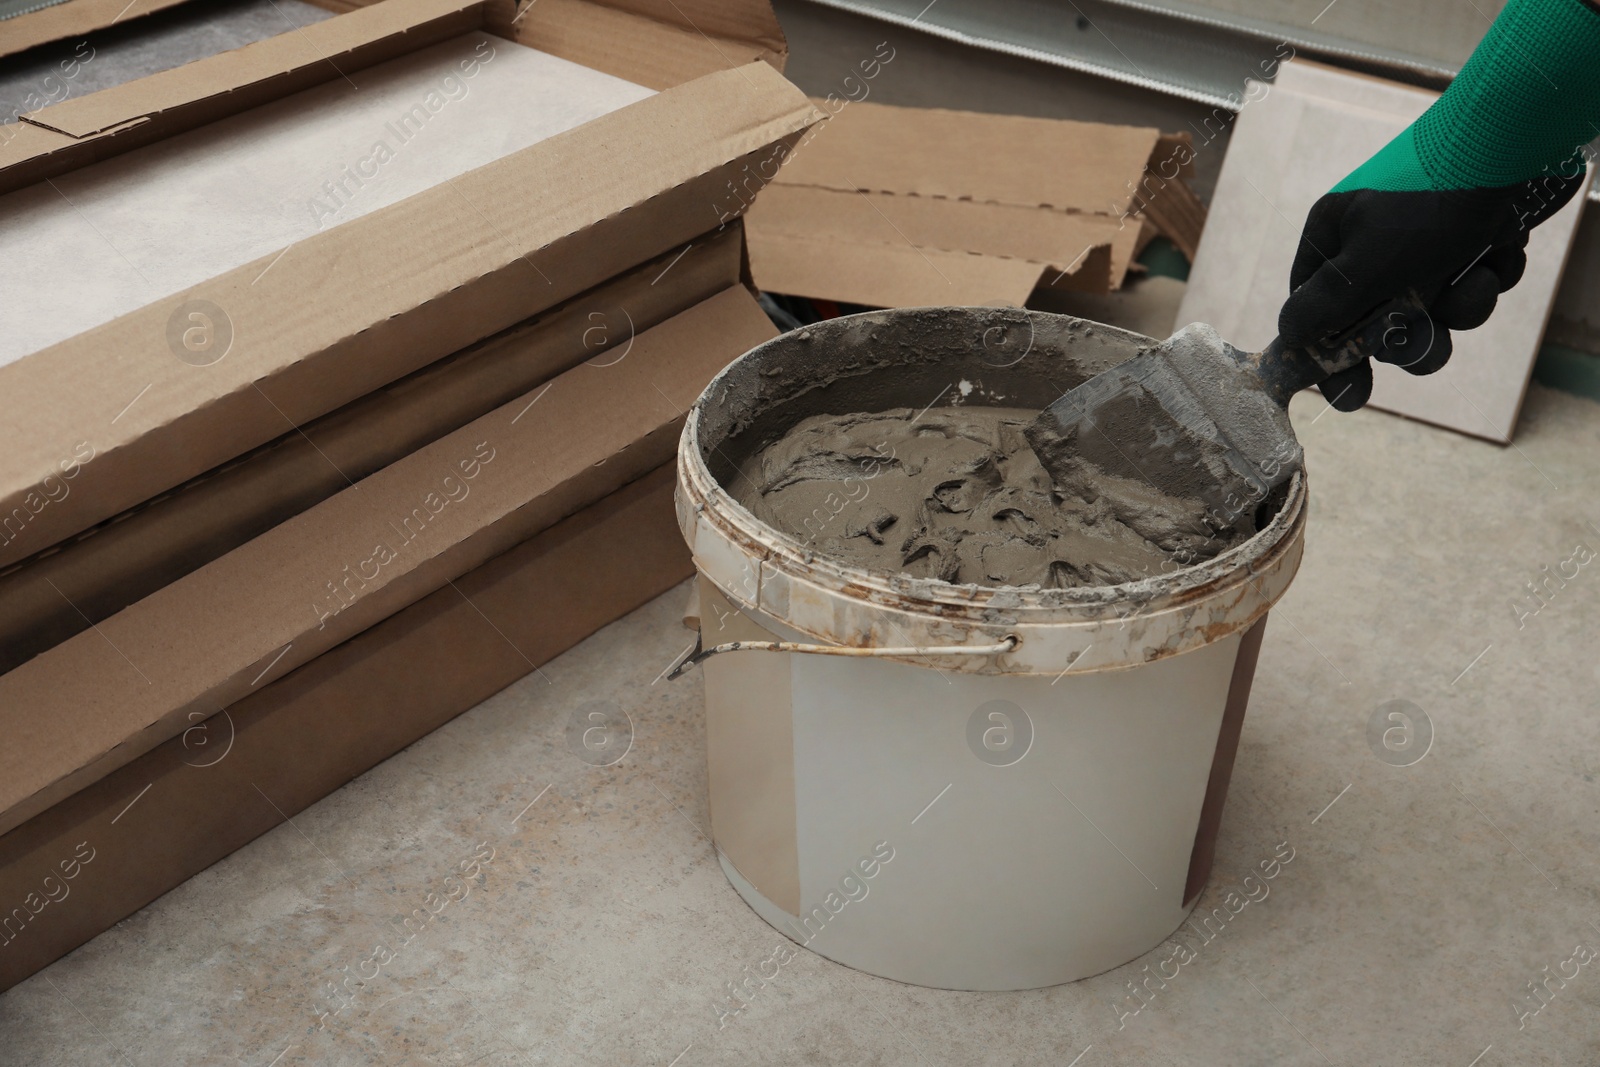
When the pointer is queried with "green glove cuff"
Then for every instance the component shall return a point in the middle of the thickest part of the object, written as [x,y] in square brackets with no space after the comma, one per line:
[1528,99]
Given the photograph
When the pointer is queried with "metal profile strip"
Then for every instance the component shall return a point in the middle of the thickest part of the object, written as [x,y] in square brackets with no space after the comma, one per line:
[1326,44]
[1161,45]
[1215,64]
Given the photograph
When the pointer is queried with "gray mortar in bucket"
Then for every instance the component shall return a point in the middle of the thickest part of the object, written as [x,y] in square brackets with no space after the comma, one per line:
[905,358]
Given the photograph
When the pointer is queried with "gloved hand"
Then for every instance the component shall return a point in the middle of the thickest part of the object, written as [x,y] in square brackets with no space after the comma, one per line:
[1445,208]
[1458,249]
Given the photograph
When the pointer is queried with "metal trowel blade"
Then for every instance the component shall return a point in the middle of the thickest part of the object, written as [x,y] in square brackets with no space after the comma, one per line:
[1189,418]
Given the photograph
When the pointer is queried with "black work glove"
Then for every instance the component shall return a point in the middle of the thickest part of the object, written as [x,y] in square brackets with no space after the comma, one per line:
[1458,249]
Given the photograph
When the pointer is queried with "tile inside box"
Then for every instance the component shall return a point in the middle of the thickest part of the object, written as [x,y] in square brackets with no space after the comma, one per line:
[104,240]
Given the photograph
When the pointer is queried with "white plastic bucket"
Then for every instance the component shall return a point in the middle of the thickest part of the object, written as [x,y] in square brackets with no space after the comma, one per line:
[985,821]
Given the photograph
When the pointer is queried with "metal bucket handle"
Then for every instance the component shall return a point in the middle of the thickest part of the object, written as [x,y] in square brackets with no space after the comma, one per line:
[696,653]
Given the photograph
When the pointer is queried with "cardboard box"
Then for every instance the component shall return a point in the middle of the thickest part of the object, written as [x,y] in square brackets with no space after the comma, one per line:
[48,598]
[168,814]
[102,698]
[110,418]
[897,207]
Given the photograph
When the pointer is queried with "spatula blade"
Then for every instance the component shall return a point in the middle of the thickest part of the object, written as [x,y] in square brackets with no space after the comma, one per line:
[1188,420]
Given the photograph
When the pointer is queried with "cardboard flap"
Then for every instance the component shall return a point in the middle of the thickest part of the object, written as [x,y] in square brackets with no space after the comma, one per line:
[1009,231]
[751,21]
[902,275]
[21,141]
[134,229]
[1005,159]
[648,52]
[1174,211]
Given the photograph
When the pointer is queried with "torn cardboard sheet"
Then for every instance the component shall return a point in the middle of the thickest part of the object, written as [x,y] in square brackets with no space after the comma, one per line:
[1314,126]
[131,230]
[899,207]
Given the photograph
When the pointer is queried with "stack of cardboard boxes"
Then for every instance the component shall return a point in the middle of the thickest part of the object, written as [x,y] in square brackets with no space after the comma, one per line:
[264,531]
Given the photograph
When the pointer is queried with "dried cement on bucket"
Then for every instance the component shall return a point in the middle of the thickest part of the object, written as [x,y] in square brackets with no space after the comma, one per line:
[956,493]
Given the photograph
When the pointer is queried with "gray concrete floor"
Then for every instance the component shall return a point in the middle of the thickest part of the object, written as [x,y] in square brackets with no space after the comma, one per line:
[1420,903]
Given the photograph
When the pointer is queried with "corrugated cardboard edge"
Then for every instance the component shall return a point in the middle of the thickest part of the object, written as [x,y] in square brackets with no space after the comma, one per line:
[304,735]
[402,312]
[71,19]
[813,241]
[115,120]
[950,153]
[99,700]
[1006,230]
[903,275]
[750,753]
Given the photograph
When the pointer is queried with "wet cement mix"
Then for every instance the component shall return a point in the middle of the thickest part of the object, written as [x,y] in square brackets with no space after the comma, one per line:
[957,494]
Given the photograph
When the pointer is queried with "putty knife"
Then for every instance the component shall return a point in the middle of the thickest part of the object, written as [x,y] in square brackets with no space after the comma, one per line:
[1196,418]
